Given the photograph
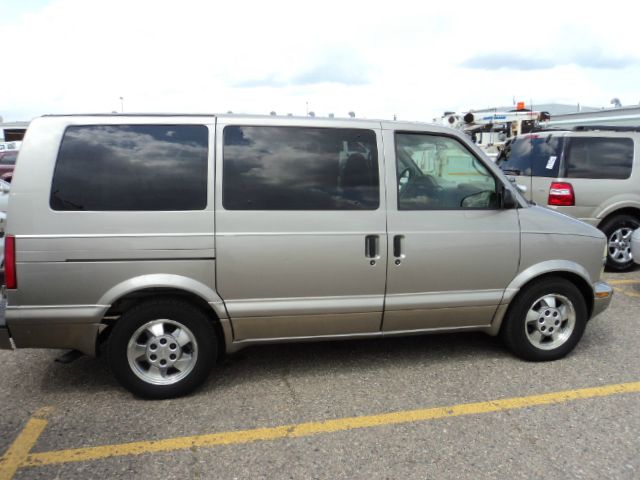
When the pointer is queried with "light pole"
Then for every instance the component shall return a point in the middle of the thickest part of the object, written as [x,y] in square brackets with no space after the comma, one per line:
[121,104]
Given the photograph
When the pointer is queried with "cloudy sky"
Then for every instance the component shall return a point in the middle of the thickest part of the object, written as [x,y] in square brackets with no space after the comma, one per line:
[411,59]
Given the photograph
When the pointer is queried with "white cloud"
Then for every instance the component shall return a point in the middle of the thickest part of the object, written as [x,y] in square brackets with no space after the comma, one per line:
[378,59]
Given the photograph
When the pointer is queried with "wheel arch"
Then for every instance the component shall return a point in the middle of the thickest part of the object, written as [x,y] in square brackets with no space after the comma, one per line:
[139,289]
[634,211]
[570,271]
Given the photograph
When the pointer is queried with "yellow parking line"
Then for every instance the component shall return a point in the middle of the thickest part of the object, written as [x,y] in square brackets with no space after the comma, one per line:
[626,292]
[623,282]
[314,428]
[15,456]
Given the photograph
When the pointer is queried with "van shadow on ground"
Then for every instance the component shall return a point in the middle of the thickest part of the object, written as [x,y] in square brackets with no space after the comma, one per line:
[299,359]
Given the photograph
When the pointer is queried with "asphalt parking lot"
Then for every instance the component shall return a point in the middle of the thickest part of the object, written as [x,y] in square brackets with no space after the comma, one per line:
[361,409]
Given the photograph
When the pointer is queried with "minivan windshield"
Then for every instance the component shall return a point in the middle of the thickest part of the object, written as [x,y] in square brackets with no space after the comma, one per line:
[532,155]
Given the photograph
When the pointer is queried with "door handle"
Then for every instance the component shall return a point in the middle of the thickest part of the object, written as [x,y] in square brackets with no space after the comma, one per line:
[371,246]
[397,245]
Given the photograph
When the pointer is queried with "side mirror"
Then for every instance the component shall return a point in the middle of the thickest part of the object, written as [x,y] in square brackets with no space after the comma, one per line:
[508,199]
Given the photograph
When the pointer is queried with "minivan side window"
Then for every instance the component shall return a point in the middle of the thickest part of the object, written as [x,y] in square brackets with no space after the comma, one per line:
[131,167]
[598,157]
[299,168]
[439,173]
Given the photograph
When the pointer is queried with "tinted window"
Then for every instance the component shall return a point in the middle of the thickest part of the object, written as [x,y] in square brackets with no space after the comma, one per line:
[590,157]
[439,173]
[131,167]
[532,155]
[299,168]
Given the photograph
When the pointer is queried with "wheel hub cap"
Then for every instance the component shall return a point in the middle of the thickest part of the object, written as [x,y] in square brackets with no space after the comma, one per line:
[162,352]
[550,321]
[620,245]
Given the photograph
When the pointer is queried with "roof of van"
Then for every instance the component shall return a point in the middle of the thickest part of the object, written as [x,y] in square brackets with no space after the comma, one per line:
[244,115]
[236,115]
[323,121]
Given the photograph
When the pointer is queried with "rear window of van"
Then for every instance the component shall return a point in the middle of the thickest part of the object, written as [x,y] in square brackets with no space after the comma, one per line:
[131,167]
[532,155]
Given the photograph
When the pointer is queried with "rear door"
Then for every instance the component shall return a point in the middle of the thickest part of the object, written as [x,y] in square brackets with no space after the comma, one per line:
[300,227]
[452,248]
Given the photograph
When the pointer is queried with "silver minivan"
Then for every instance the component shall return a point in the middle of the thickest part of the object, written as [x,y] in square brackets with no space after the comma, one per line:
[167,240]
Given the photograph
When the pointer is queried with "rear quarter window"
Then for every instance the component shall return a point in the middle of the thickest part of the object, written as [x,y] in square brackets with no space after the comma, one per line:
[599,158]
[131,167]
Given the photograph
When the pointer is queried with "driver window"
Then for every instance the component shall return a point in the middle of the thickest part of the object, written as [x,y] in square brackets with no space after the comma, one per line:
[439,173]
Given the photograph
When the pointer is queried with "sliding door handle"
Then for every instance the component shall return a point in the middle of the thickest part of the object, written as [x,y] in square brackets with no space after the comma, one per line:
[371,246]
[398,240]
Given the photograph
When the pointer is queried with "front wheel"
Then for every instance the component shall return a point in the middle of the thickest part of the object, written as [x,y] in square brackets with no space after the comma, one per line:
[162,348]
[546,320]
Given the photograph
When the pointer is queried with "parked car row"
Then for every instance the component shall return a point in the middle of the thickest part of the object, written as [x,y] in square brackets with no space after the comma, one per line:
[590,173]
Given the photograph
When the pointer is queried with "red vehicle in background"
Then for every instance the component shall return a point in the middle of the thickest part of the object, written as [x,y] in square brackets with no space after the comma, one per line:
[7,164]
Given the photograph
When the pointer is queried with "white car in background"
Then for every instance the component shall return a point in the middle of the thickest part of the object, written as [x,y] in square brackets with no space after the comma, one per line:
[4,203]
[635,246]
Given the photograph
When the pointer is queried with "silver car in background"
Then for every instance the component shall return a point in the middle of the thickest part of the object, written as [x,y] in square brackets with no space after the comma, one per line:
[591,173]
[167,240]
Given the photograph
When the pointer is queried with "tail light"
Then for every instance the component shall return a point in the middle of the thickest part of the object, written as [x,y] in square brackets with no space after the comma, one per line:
[561,194]
[10,262]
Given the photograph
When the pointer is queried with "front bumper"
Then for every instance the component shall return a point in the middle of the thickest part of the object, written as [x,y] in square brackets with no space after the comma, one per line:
[602,295]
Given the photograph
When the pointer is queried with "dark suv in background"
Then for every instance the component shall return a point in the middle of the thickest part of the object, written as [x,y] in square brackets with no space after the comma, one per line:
[590,173]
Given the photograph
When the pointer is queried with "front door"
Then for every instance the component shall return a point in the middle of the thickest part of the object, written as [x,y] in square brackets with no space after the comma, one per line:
[300,228]
[452,248]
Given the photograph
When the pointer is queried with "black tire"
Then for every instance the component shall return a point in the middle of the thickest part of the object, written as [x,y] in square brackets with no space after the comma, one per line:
[514,328]
[170,313]
[611,226]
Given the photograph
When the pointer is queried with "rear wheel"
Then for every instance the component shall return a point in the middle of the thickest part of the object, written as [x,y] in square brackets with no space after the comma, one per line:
[546,320]
[162,348]
[618,230]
